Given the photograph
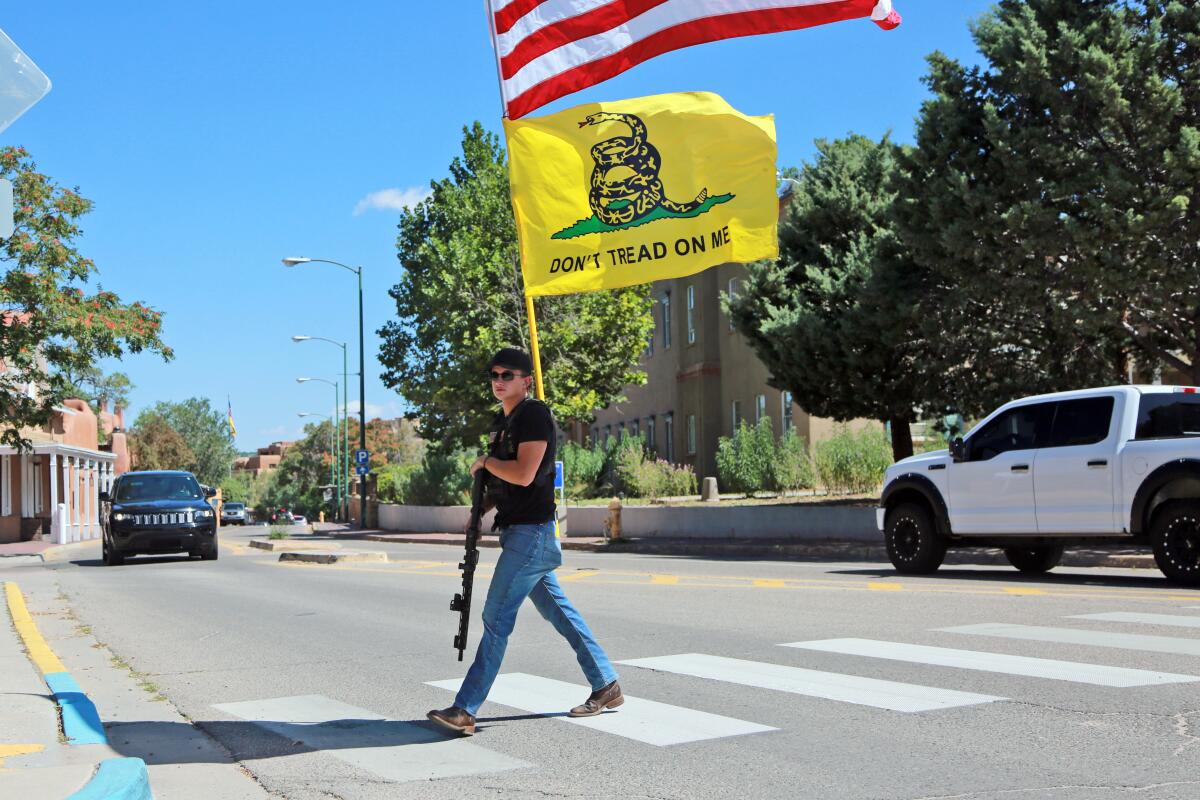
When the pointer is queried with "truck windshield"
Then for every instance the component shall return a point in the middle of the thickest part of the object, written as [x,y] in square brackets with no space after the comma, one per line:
[135,488]
[1163,416]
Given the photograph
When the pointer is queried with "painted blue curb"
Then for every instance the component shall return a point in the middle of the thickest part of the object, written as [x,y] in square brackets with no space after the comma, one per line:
[81,722]
[117,779]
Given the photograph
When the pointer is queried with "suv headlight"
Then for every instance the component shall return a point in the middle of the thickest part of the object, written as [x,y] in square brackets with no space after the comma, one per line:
[120,517]
[202,513]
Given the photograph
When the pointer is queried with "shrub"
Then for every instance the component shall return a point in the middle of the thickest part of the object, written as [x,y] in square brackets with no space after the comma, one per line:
[440,480]
[792,469]
[391,482]
[744,463]
[582,468]
[853,463]
[278,532]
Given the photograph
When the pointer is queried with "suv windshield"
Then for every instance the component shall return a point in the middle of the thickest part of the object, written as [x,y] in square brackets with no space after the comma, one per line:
[134,488]
[234,506]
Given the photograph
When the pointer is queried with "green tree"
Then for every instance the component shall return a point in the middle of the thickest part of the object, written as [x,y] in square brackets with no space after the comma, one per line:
[1053,196]
[832,318]
[297,484]
[157,445]
[49,327]
[206,432]
[91,384]
[461,298]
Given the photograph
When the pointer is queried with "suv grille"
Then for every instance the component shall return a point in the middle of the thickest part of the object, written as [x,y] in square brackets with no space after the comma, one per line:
[179,518]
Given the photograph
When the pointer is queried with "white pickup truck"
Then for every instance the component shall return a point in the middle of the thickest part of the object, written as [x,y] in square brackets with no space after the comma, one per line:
[1100,466]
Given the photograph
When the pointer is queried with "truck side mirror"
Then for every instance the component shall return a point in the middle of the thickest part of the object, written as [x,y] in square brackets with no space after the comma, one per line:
[104,498]
[210,492]
[958,449]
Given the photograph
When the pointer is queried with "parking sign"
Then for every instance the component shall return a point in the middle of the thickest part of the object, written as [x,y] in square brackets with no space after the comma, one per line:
[362,457]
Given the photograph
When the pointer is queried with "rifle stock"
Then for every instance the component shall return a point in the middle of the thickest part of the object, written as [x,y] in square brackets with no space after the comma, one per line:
[462,601]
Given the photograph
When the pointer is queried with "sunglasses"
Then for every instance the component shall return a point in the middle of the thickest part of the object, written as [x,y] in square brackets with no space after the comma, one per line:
[506,376]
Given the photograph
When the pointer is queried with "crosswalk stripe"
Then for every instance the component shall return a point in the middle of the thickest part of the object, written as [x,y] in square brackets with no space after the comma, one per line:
[644,720]
[1121,641]
[890,695]
[370,741]
[1170,620]
[1074,671]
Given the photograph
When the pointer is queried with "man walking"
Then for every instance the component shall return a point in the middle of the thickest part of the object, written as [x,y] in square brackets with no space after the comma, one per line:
[521,460]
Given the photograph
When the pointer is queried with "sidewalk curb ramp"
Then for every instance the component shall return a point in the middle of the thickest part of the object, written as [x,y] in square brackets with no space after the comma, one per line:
[333,557]
[117,779]
[283,545]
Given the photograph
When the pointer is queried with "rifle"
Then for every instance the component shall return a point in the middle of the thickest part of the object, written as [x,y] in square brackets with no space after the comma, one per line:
[462,602]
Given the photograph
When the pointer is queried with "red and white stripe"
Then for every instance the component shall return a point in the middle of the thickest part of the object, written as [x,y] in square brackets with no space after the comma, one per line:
[550,48]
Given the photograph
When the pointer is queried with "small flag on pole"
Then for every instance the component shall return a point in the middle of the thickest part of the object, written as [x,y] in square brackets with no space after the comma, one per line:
[633,191]
[229,416]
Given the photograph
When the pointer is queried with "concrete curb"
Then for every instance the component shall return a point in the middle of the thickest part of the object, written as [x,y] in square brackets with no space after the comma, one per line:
[318,557]
[283,545]
[484,541]
[117,779]
[22,560]
[80,720]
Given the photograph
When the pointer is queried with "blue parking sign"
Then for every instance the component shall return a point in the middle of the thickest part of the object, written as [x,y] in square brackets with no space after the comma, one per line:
[558,474]
[362,457]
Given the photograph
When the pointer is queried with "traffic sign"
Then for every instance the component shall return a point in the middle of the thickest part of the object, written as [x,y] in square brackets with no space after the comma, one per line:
[362,457]
[22,84]
[362,469]
[558,474]
[6,208]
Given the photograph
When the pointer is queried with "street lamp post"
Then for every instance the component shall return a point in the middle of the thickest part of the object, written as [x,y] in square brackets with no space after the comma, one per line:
[362,381]
[334,455]
[345,410]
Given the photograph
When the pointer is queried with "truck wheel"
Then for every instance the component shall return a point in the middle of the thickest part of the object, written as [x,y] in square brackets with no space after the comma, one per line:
[913,544]
[1175,536]
[1034,559]
[210,554]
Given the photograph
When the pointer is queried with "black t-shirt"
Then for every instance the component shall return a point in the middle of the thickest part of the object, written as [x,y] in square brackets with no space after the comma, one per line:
[532,504]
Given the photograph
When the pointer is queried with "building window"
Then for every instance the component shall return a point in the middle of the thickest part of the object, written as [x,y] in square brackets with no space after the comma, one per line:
[669,435]
[607,433]
[760,408]
[735,416]
[650,433]
[666,320]
[691,314]
[786,411]
[633,429]
[733,284]
[691,434]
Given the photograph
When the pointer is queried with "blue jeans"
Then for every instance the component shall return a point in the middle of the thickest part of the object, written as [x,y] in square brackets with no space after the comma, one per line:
[530,554]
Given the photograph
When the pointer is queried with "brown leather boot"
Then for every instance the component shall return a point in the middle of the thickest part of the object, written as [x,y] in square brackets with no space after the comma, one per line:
[455,719]
[608,697]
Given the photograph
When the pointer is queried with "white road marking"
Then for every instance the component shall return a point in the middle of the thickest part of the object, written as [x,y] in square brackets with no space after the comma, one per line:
[1121,641]
[890,695]
[393,750]
[644,720]
[1172,620]
[1074,671]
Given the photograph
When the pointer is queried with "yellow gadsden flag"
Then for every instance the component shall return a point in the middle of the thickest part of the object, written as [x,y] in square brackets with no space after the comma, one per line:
[633,191]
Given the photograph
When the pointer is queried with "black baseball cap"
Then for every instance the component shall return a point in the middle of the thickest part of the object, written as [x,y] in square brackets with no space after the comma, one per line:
[512,357]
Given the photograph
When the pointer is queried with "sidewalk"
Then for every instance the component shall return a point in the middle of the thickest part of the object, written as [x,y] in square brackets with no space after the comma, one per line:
[786,550]
[76,721]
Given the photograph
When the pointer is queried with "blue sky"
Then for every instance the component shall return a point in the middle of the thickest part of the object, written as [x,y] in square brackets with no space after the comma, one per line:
[218,137]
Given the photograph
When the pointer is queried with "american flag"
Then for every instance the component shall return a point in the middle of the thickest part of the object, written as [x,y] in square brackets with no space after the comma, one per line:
[549,48]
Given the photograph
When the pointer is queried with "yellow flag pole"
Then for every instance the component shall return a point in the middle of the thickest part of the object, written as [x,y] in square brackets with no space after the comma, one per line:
[533,348]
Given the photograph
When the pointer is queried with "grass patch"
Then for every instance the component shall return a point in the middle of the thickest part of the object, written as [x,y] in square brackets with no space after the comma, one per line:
[593,225]
[278,532]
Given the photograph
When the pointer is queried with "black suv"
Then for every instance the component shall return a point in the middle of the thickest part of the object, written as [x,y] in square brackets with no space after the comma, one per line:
[158,512]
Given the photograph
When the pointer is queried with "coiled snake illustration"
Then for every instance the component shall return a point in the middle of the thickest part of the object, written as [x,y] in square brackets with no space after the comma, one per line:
[625,182]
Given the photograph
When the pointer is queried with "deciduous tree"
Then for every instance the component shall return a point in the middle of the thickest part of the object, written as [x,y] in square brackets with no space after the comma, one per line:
[50,326]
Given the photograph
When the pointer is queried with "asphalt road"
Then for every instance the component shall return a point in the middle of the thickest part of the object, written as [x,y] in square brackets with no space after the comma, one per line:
[317,678]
